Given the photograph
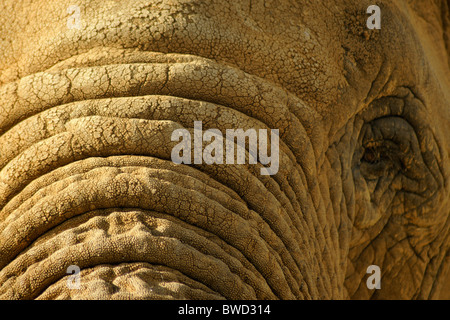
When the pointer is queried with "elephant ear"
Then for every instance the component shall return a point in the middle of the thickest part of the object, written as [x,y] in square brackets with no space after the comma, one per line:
[434,17]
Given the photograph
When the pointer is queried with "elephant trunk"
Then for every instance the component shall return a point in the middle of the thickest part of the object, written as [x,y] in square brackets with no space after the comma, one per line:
[87,180]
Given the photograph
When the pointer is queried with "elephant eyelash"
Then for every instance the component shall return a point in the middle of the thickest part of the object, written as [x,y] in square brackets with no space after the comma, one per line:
[373,152]
[380,157]
[371,155]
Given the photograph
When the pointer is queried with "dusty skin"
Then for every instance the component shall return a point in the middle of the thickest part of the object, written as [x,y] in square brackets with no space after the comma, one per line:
[86,178]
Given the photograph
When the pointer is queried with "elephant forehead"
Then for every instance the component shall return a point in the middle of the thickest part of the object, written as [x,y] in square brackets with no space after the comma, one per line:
[293,43]
[313,49]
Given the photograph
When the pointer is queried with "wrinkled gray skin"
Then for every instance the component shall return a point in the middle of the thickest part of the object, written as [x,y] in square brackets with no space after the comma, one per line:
[86,177]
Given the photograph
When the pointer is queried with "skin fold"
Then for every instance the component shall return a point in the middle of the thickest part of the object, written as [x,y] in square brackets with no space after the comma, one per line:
[86,177]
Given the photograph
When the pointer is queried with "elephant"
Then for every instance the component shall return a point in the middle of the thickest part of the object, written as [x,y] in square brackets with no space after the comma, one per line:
[93,206]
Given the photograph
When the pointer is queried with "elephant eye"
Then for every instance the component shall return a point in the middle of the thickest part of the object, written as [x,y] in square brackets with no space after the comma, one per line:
[371,156]
[386,146]
[379,159]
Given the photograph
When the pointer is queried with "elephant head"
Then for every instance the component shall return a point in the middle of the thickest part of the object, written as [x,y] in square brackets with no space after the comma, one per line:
[91,93]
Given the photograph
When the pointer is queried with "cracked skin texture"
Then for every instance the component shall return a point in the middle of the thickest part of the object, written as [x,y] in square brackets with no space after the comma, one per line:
[86,179]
